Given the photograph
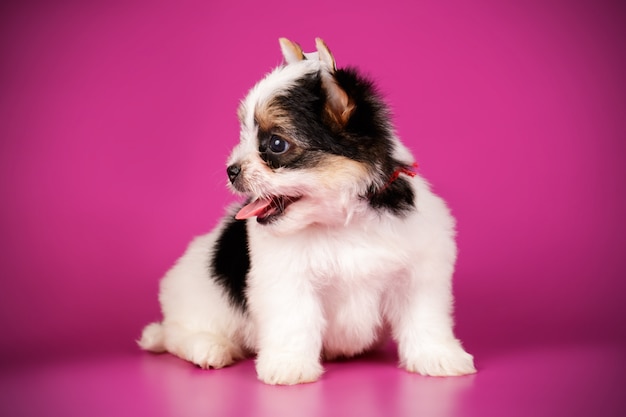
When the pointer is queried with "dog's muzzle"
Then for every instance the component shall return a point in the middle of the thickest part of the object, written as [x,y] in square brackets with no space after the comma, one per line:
[233,172]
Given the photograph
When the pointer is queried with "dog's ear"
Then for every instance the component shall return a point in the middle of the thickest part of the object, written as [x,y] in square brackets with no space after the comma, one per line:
[325,55]
[292,52]
[339,104]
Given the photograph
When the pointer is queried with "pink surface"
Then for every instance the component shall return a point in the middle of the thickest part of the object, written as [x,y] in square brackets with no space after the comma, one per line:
[115,121]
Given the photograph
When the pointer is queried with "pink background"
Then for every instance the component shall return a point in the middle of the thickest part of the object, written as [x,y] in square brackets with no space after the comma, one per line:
[116,118]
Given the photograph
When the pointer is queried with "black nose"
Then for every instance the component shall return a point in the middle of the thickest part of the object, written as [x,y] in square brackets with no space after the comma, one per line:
[233,171]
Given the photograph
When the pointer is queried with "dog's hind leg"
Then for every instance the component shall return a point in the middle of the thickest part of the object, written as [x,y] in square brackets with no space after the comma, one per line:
[200,322]
[202,348]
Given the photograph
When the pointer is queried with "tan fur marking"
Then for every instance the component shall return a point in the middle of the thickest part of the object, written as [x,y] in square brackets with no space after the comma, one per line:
[270,117]
[337,170]
[339,105]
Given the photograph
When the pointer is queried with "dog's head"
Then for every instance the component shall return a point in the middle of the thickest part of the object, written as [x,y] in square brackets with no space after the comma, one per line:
[316,146]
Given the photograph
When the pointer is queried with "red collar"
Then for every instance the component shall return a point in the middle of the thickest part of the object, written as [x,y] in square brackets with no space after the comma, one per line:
[402,169]
[406,170]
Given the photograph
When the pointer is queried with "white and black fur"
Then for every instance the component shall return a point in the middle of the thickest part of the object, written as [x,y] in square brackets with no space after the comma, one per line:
[337,246]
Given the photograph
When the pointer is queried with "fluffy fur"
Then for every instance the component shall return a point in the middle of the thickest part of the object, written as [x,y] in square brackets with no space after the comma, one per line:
[337,245]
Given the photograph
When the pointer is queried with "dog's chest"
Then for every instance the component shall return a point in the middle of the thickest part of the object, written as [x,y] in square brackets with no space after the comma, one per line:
[349,257]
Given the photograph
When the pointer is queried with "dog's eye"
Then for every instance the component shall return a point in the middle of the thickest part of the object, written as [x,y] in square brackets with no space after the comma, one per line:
[278,145]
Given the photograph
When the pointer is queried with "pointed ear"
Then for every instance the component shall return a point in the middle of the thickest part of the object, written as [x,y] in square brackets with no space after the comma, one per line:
[291,51]
[325,56]
[339,105]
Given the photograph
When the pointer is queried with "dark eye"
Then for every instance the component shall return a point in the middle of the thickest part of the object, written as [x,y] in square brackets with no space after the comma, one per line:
[278,145]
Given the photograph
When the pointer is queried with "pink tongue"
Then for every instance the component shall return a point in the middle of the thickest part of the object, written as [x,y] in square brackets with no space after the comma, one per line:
[253,209]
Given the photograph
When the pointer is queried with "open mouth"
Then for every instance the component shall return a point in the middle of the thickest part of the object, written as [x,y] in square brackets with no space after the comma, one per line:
[266,210]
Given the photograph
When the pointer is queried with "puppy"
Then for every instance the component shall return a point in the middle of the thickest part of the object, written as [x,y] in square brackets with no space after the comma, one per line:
[339,242]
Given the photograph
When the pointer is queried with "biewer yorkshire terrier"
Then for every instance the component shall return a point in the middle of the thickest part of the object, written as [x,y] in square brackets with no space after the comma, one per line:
[338,245]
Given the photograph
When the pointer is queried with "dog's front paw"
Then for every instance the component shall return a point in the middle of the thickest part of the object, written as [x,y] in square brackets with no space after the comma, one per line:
[287,370]
[447,359]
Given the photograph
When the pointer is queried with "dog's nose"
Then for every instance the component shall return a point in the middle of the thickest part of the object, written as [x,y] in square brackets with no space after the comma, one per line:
[233,171]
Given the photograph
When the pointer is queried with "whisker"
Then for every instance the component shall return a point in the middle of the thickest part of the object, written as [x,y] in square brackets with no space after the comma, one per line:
[280,203]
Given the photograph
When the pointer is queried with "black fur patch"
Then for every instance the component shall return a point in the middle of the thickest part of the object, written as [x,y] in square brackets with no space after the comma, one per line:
[398,197]
[230,262]
[367,137]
